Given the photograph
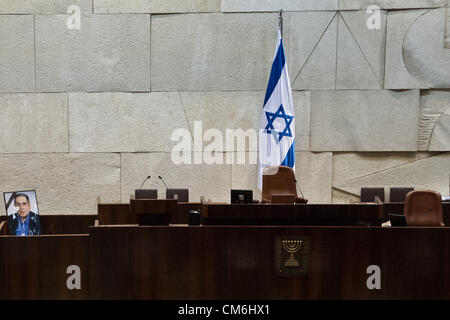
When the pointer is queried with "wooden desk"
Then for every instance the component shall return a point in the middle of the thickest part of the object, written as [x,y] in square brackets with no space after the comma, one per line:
[292,214]
[120,213]
[182,216]
[224,262]
[237,262]
[66,224]
[35,267]
[115,213]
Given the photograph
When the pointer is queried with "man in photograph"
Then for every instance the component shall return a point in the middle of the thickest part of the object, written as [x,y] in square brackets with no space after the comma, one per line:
[24,222]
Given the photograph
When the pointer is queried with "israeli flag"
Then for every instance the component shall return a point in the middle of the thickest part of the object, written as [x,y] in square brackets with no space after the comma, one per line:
[277,125]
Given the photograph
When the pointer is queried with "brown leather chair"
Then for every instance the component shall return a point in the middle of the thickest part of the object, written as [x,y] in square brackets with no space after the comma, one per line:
[423,208]
[369,194]
[279,185]
[399,194]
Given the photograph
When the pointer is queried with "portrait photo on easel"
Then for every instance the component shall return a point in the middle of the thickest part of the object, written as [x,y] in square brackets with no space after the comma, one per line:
[23,213]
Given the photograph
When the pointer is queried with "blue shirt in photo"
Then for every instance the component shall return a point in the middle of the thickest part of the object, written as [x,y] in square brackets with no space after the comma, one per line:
[22,227]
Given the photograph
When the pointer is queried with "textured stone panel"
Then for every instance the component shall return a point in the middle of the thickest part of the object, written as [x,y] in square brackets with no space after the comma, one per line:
[434,127]
[447,28]
[319,69]
[302,32]
[341,197]
[310,43]
[396,74]
[212,51]
[360,57]
[42,6]
[241,110]
[33,122]
[212,181]
[349,166]
[64,183]
[108,53]
[440,140]
[16,53]
[156,6]
[124,122]
[369,120]
[302,101]
[313,172]
[275,5]
[245,176]
[390,4]
[429,173]
[424,54]
[314,175]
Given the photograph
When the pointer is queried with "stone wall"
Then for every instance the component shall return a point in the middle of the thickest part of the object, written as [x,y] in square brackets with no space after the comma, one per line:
[88,113]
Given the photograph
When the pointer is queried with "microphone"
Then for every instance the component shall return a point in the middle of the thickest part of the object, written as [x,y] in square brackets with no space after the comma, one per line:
[144,182]
[163,182]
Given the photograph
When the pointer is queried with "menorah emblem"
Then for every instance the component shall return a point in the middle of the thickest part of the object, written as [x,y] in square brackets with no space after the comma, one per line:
[292,247]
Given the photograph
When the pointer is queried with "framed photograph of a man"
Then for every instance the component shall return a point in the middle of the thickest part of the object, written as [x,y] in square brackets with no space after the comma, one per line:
[23,213]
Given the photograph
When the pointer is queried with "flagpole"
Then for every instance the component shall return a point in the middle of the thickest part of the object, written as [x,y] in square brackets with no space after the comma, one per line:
[280,22]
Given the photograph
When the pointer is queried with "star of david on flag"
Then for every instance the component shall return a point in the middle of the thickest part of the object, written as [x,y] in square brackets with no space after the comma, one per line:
[277,125]
[271,117]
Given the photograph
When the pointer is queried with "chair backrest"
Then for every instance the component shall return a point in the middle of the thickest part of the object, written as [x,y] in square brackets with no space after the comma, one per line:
[423,208]
[369,194]
[399,194]
[278,180]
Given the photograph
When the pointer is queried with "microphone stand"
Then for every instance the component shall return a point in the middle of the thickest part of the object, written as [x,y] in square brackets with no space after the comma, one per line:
[144,182]
[163,182]
[302,199]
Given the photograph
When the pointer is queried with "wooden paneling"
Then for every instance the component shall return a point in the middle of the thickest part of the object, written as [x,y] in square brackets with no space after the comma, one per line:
[66,224]
[236,262]
[416,263]
[223,262]
[115,213]
[113,256]
[299,214]
[35,267]
[182,214]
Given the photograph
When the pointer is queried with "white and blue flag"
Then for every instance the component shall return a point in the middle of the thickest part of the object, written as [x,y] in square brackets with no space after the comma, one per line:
[277,125]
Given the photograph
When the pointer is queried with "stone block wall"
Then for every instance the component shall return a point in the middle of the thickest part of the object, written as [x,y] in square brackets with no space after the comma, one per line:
[89,112]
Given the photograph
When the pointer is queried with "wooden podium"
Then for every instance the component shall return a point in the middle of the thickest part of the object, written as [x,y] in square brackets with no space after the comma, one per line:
[153,211]
[115,213]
